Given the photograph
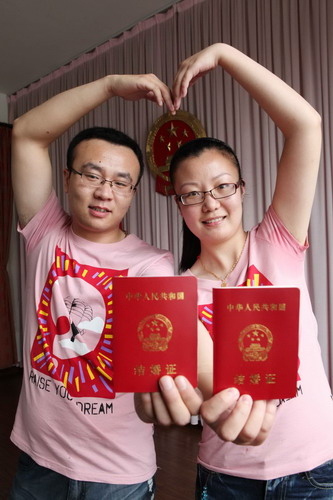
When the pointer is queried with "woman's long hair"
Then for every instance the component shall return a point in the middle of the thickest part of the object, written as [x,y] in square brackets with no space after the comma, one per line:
[191,243]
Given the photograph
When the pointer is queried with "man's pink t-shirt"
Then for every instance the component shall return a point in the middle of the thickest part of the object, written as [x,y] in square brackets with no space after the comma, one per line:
[302,436]
[66,419]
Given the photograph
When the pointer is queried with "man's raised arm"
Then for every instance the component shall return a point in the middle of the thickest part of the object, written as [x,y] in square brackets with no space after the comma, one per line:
[34,131]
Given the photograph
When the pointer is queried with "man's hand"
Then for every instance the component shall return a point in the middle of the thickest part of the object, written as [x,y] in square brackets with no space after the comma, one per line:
[174,404]
[136,87]
[234,418]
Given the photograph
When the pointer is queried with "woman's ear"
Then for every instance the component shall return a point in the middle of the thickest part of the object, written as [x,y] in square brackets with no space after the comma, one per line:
[177,202]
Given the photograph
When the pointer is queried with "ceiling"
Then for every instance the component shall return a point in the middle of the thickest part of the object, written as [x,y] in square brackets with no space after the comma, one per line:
[39,36]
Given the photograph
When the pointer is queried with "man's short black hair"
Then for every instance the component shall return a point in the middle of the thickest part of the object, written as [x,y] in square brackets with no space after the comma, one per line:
[107,134]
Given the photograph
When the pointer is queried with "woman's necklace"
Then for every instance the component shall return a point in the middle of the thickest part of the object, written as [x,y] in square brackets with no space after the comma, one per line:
[224,279]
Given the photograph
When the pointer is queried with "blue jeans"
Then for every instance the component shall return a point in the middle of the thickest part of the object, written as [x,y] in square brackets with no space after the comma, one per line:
[313,484]
[34,482]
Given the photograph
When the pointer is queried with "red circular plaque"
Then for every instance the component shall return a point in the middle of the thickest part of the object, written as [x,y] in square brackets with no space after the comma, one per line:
[167,134]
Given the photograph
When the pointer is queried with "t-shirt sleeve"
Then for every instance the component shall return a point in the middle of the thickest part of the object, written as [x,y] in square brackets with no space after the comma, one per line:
[274,231]
[51,216]
[162,265]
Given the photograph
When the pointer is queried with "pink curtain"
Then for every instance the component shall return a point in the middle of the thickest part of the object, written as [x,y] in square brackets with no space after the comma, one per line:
[7,341]
[292,38]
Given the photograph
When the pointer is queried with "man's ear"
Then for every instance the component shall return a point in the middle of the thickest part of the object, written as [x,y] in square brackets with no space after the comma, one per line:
[67,175]
[243,189]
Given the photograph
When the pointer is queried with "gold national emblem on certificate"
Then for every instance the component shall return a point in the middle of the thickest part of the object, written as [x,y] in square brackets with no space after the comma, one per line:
[167,134]
[155,332]
[255,341]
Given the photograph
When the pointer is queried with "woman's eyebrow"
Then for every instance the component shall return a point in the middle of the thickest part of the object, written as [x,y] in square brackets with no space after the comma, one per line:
[194,183]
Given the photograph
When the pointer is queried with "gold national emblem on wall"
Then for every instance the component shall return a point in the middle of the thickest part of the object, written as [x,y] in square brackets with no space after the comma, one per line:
[167,134]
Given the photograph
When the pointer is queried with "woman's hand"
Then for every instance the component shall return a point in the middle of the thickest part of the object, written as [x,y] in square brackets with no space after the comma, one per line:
[239,419]
[234,418]
[193,68]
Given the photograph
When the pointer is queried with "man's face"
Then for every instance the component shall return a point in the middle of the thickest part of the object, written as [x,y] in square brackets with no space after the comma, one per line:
[98,211]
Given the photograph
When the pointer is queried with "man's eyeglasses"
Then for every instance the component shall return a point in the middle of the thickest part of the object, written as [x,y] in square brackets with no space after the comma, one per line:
[92,180]
[221,191]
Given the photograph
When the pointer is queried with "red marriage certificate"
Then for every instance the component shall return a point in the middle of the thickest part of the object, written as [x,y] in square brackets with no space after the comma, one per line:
[155,331]
[256,340]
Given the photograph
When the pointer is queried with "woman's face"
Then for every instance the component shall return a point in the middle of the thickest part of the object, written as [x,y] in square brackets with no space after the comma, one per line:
[215,220]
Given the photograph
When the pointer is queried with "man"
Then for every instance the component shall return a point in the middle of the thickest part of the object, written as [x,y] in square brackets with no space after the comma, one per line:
[76,439]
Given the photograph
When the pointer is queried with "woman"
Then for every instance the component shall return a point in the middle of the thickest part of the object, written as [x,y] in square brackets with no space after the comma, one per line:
[295,461]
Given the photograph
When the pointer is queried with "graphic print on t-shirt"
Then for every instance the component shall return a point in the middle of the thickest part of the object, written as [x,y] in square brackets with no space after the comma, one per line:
[73,343]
